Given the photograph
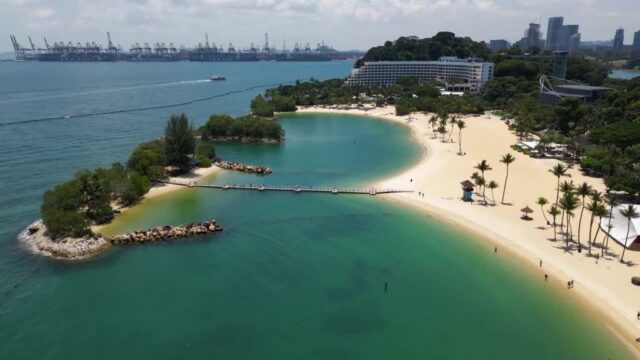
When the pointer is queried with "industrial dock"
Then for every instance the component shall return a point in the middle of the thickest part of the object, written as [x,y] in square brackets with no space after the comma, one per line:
[207,51]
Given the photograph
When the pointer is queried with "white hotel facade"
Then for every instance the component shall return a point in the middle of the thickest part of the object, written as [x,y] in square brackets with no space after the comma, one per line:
[456,74]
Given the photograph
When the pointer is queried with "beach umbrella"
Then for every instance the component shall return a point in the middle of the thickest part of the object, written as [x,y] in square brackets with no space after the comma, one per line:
[526,211]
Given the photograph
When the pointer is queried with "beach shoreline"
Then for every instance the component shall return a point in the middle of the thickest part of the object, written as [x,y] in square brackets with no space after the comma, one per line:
[195,176]
[603,285]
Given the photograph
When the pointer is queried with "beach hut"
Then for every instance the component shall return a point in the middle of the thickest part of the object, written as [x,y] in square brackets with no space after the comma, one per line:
[618,229]
[467,190]
[525,212]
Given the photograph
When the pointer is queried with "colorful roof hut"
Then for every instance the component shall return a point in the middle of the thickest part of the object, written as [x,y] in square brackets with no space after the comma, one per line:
[467,190]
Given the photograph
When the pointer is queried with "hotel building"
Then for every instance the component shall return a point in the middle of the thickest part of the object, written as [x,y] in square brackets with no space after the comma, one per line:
[455,74]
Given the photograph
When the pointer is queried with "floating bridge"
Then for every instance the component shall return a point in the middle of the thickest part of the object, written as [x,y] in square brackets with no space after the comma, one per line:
[294,188]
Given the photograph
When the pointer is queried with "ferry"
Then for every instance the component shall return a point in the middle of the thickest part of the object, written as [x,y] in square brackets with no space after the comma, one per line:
[218,78]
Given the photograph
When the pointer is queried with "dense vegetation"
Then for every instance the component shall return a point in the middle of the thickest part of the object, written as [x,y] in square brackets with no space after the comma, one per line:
[244,128]
[604,137]
[71,207]
[414,48]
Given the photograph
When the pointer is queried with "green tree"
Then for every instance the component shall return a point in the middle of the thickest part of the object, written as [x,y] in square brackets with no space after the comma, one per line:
[260,107]
[148,159]
[558,170]
[60,212]
[542,201]
[179,142]
[136,186]
[461,126]
[507,159]
[492,186]
[583,191]
[554,211]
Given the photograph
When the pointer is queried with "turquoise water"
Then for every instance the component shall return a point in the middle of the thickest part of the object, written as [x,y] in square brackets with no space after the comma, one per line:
[624,74]
[292,276]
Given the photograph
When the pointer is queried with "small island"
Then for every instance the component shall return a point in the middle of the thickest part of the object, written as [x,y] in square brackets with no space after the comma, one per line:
[93,197]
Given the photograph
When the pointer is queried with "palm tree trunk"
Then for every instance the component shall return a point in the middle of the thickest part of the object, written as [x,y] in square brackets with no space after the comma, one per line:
[590,228]
[555,234]
[580,222]
[624,247]
[504,189]
[557,199]
[606,245]
[460,142]
[543,214]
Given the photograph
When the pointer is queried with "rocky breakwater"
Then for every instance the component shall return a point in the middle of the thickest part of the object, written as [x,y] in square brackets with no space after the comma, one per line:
[228,165]
[163,233]
[35,238]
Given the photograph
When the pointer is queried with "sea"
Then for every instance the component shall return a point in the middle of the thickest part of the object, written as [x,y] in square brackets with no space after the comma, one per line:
[292,276]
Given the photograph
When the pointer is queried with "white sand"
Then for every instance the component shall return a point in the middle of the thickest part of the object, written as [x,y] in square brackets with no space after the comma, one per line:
[604,283]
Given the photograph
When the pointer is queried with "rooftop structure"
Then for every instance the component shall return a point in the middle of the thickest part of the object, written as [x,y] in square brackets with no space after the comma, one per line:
[456,74]
[554,89]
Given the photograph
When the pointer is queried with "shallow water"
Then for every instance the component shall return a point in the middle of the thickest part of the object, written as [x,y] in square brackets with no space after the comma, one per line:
[292,276]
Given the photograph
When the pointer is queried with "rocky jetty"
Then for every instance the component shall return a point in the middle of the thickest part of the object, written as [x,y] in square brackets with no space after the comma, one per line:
[35,238]
[163,233]
[228,165]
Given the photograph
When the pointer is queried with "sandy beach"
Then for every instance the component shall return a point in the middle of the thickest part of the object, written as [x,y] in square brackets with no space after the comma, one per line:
[194,176]
[603,283]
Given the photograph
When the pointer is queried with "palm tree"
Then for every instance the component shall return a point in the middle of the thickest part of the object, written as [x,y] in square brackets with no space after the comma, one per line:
[542,201]
[593,207]
[583,191]
[568,203]
[629,212]
[483,166]
[507,159]
[442,129]
[600,212]
[461,125]
[482,182]
[453,121]
[433,120]
[558,171]
[565,188]
[493,185]
[179,142]
[611,201]
[554,212]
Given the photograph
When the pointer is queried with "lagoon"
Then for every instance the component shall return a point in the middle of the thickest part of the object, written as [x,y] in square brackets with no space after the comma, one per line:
[292,276]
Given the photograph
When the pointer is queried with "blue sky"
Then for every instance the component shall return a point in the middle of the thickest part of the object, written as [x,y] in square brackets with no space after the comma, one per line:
[346,24]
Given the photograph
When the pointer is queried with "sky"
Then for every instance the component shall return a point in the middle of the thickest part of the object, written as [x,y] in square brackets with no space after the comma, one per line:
[344,24]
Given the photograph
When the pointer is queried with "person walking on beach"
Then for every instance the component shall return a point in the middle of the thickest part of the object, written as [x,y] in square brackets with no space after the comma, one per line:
[540,262]
[546,277]
[495,249]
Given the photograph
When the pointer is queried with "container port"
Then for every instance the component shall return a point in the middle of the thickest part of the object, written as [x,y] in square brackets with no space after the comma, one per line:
[93,52]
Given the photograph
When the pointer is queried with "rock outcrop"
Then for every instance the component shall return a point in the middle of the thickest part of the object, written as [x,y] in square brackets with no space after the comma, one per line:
[228,165]
[163,233]
[35,238]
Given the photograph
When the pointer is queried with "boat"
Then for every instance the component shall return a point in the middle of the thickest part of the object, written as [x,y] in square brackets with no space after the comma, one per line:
[218,77]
